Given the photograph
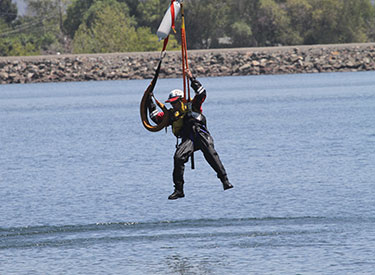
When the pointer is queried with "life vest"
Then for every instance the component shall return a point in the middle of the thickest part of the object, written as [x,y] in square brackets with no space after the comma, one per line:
[184,119]
[178,120]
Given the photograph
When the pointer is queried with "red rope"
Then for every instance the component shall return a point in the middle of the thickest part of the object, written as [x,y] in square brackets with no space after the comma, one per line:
[185,65]
[173,16]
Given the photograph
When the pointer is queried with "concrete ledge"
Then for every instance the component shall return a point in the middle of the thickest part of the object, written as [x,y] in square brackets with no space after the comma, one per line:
[213,62]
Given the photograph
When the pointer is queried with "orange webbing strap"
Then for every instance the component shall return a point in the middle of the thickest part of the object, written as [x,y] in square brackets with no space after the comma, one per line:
[185,65]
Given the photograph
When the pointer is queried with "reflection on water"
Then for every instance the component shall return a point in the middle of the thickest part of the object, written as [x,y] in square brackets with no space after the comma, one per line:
[182,265]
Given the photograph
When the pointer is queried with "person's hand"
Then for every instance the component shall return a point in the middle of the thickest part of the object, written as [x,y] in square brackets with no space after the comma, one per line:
[190,75]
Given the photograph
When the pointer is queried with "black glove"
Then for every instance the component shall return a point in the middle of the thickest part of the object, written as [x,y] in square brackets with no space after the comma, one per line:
[195,84]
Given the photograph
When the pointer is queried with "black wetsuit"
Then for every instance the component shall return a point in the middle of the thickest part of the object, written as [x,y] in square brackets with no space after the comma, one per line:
[191,127]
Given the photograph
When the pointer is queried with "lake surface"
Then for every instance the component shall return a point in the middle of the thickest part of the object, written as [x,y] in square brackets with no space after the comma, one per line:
[84,186]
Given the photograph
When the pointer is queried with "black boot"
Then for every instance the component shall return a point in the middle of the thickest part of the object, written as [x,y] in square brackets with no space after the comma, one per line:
[226,183]
[178,192]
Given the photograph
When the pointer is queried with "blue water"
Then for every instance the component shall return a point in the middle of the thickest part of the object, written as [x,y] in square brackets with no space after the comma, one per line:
[84,186]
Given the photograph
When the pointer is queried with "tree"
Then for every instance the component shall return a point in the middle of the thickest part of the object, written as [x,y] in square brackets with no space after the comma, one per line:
[371,24]
[150,13]
[324,22]
[300,14]
[133,5]
[74,16]
[8,11]
[240,26]
[45,18]
[105,29]
[273,25]
[205,22]
[36,33]
[260,23]
[241,33]
[17,46]
[130,25]
[355,19]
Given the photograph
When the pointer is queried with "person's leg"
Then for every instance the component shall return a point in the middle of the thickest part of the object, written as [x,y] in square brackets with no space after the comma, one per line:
[206,144]
[181,156]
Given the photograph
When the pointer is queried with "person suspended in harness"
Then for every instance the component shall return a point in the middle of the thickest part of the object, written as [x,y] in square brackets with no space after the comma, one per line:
[189,124]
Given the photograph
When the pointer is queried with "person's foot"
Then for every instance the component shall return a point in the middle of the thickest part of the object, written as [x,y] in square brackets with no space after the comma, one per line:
[176,195]
[227,185]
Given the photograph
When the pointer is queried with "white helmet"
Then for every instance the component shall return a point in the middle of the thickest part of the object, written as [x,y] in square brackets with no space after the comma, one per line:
[175,95]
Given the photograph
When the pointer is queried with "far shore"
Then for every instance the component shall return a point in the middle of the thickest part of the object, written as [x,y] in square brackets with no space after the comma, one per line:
[207,62]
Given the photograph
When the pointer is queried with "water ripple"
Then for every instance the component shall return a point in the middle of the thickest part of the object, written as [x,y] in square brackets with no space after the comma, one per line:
[239,228]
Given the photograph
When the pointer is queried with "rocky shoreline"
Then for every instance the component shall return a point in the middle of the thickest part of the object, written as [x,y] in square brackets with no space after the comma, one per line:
[216,62]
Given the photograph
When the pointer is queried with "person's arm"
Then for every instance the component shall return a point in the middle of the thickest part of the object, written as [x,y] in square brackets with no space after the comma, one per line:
[155,115]
[200,92]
